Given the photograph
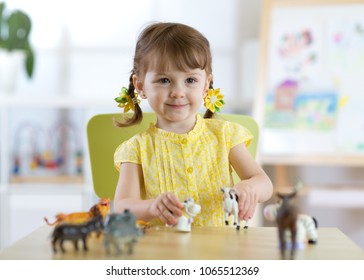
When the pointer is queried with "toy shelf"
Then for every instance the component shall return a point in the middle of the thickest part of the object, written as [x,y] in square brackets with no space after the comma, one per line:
[31,193]
[56,179]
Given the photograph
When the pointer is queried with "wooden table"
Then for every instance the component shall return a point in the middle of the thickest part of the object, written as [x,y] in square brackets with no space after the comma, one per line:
[255,243]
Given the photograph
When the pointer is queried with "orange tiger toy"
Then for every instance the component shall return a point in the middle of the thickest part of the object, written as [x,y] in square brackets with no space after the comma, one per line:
[102,208]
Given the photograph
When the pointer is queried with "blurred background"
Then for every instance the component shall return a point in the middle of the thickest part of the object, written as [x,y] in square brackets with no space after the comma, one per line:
[83,55]
[85,48]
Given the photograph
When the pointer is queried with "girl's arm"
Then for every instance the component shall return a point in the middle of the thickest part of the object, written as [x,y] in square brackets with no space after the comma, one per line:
[128,196]
[254,187]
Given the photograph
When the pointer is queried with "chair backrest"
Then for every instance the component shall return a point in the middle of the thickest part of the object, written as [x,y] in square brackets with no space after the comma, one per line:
[104,137]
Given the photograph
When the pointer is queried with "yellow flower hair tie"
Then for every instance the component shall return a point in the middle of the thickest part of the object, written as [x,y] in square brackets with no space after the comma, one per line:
[125,101]
[214,100]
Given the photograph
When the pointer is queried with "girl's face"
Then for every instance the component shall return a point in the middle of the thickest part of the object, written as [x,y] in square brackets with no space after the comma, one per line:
[174,96]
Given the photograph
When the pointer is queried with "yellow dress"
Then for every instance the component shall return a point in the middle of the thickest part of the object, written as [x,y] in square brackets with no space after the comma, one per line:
[195,164]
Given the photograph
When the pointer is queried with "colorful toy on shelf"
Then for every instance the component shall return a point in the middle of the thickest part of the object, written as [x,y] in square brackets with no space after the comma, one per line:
[36,161]
[191,209]
[79,162]
[121,231]
[51,151]
[16,167]
[29,132]
[75,232]
[49,161]
[102,208]
[231,207]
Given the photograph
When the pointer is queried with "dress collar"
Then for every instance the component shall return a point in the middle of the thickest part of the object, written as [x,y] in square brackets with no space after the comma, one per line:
[195,132]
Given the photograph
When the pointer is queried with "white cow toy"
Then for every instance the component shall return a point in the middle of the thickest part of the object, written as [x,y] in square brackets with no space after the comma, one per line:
[231,207]
[191,209]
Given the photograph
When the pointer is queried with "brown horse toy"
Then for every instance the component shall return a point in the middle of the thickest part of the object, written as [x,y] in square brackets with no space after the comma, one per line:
[287,220]
[76,232]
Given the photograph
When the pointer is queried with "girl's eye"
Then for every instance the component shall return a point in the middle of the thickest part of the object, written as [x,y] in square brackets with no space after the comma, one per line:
[191,80]
[164,81]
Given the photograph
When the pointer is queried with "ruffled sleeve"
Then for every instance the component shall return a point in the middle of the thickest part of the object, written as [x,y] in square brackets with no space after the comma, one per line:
[127,151]
[238,134]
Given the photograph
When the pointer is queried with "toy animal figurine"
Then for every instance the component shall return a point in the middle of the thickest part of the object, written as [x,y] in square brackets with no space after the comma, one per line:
[306,225]
[143,224]
[287,215]
[75,232]
[102,208]
[231,207]
[121,231]
[191,209]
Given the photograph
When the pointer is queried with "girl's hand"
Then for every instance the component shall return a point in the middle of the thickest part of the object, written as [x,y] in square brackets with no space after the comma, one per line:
[166,207]
[248,199]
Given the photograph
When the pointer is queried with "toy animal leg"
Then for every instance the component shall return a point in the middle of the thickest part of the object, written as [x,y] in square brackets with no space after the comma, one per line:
[107,244]
[246,224]
[118,247]
[236,220]
[226,218]
[84,240]
[61,245]
[293,240]
[130,246]
[282,241]
[237,225]
[54,241]
[75,244]
[183,224]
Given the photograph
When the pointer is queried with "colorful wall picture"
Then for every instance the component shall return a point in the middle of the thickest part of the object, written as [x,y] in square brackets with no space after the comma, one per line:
[314,80]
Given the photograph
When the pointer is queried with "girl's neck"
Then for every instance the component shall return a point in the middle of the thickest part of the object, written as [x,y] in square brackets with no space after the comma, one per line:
[181,127]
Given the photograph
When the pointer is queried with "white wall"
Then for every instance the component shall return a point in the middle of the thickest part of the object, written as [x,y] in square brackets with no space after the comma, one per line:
[85,48]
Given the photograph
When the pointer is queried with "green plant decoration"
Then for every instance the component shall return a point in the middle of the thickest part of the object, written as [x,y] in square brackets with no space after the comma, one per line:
[15,28]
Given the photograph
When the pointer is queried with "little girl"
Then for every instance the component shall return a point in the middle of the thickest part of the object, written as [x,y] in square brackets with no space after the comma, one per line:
[182,155]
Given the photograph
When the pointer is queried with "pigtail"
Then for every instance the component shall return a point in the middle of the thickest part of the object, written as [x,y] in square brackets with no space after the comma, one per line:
[209,114]
[138,114]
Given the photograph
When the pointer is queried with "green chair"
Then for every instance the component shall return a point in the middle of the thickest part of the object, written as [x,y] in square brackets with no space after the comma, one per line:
[104,137]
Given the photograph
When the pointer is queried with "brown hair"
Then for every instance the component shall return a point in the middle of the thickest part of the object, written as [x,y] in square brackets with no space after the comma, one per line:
[161,44]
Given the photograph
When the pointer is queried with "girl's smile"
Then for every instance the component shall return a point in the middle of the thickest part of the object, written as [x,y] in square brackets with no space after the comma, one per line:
[177,106]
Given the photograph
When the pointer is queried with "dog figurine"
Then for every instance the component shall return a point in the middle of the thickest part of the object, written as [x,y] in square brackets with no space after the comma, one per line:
[191,209]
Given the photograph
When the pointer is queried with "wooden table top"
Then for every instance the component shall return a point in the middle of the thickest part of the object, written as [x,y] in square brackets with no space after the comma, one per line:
[255,243]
